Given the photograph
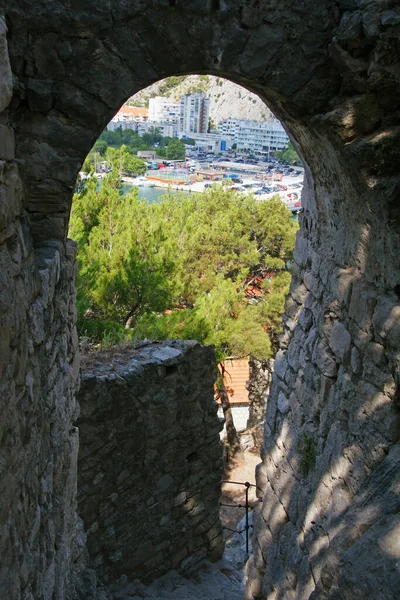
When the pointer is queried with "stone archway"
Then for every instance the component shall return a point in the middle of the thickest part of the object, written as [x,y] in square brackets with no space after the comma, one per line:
[330,72]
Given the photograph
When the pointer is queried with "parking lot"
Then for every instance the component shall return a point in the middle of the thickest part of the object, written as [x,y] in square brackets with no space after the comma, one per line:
[264,179]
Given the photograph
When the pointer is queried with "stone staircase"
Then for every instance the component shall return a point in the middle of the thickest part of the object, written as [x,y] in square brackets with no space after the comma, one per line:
[223,580]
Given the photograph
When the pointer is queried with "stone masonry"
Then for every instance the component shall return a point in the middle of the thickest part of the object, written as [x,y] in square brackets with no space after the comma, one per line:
[150,459]
[40,535]
[258,386]
[329,488]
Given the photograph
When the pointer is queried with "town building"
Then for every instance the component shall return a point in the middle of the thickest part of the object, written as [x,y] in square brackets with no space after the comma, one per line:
[128,116]
[229,127]
[162,110]
[236,376]
[194,113]
[261,137]
[146,154]
[211,142]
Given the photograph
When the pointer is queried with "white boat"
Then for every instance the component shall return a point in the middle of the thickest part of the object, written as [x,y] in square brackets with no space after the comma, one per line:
[141,182]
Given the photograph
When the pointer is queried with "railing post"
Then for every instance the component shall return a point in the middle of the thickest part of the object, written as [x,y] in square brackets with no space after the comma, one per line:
[247,484]
[246,506]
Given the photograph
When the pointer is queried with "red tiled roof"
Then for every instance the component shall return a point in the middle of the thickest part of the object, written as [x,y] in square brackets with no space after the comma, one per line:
[133,111]
[237,373]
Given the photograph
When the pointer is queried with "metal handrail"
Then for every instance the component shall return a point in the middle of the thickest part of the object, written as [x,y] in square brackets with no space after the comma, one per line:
[246,506]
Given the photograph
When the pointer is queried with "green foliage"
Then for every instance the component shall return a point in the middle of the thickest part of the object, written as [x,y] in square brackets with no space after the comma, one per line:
[118,277]
[129,143]
[169,84]
[100,147]
[123,162]
[175,150]
[194,255]
[152,137]
[308,454]
[289,155]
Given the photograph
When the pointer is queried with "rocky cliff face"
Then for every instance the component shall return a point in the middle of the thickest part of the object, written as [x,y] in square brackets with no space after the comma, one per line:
[227,99]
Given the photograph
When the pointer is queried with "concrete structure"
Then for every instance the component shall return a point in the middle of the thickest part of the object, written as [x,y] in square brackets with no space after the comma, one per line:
[211,142]
[229,127]
[194,113]
[261,137]
[128,117]
[161,109]
[146,154]
[327,521]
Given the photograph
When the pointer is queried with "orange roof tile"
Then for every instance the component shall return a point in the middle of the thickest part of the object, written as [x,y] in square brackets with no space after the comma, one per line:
[237,373]
[133,111]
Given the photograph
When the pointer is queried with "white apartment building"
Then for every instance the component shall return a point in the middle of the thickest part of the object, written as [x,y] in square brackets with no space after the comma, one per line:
[128,117]
[194,113]
[229,127]
[163,110]
[262,137]
[142,127]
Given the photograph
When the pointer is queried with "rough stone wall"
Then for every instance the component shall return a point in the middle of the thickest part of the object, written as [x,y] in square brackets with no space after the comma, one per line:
[330,71]
[329,481]
[150,459]
[327,525]
[38,370]
[258,386]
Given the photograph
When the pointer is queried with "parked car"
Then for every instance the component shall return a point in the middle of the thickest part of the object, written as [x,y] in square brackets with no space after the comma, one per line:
[282,187]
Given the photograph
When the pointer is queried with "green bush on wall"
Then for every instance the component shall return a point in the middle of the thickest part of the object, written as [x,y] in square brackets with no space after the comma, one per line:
[308,454]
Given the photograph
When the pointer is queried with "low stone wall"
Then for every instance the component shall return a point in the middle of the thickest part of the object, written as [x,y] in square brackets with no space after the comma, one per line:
[150,459]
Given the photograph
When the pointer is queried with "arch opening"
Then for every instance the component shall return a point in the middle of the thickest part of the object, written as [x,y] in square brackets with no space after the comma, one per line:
[332,432]
[241,225]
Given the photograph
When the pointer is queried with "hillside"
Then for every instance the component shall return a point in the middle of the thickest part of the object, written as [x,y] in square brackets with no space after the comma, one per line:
[227,99]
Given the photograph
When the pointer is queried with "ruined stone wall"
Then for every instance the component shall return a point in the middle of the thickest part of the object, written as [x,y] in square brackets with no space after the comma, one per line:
[38,371]
[150,459]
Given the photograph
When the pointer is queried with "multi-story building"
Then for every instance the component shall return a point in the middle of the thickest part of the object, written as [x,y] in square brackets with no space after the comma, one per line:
[142,127]
[128,117]
[229,127]
[163,110]
[262,137]
[194,113]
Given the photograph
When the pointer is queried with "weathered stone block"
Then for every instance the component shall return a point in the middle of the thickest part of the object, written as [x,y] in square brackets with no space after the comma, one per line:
[340,340]
[39,94]
[7,143]
[6,86]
